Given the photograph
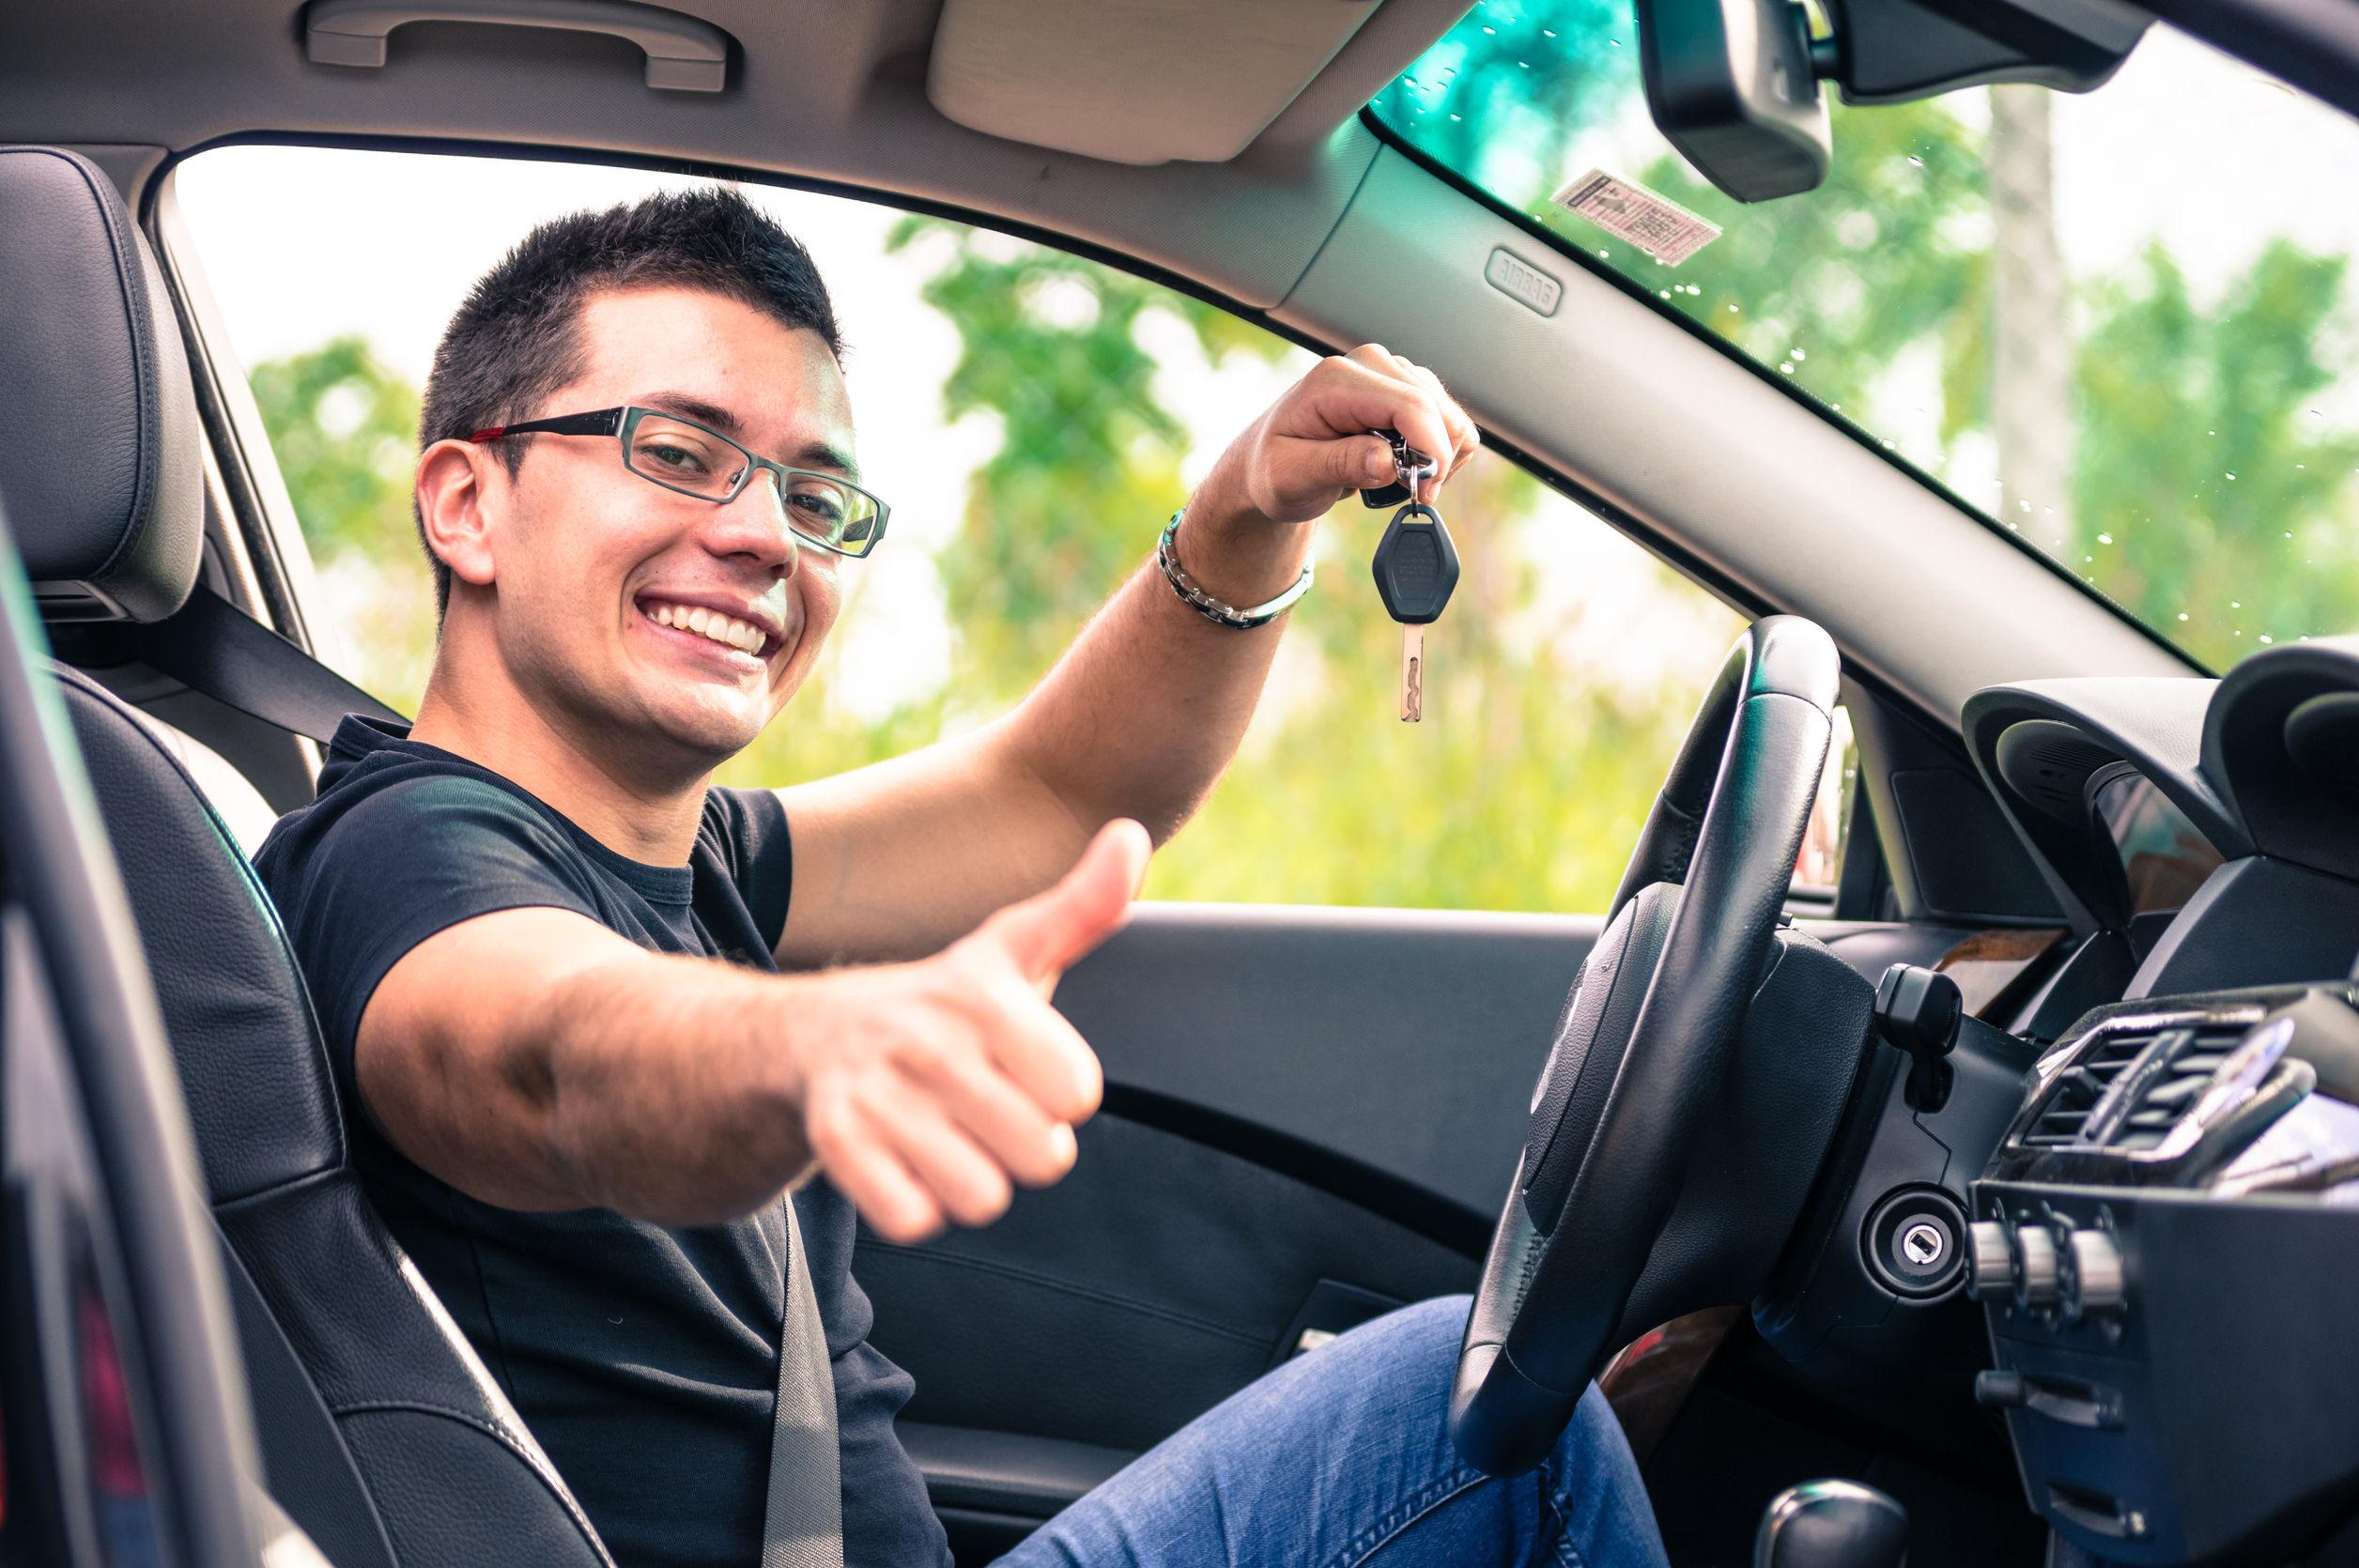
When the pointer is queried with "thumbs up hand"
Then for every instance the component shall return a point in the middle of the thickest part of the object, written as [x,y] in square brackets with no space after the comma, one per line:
[928,1089]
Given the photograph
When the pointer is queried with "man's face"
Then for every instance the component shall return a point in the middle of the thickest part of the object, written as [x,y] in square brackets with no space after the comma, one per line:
[598,570]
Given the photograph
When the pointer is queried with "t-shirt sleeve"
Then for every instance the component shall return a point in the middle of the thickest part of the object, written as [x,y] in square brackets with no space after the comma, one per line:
[761,857]
[401,864]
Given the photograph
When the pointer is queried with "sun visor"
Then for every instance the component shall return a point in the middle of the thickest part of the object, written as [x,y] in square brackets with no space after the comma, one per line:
[1132,80]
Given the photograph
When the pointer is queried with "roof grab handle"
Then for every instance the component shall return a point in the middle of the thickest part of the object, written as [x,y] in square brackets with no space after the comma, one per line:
[683,54]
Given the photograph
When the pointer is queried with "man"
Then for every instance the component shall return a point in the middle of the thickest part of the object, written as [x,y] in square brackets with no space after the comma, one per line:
[543,949]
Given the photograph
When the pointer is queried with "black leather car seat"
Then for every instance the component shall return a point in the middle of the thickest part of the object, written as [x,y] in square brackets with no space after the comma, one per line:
[383,1434]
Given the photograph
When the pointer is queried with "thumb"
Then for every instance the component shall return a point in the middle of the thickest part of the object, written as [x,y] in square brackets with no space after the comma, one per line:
[1048,933]
[1361,463]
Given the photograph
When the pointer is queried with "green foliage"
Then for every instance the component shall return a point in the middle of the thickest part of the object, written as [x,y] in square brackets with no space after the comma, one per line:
[344,429]
[1884,254]
[1503,94]
[1519,753]
[1049,346]
[2211,494]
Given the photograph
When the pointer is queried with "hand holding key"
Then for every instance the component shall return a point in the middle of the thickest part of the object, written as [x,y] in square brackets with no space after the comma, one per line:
[1417,568]
[1315,445]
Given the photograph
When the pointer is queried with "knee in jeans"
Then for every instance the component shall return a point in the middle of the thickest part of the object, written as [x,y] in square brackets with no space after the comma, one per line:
[1423,1331]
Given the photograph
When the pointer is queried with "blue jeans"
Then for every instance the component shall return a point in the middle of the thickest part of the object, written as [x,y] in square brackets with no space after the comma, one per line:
[1343,1456]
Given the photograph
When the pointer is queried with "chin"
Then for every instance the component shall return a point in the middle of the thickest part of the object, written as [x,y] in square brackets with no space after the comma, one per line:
[712,736]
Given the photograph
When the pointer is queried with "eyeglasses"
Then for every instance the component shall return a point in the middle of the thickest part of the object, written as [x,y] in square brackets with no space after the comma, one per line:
[696,460]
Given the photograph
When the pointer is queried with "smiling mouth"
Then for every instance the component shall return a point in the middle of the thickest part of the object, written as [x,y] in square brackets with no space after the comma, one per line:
[729,631]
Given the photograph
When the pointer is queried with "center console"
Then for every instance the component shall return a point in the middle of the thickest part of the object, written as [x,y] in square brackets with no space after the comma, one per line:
[2162,1246]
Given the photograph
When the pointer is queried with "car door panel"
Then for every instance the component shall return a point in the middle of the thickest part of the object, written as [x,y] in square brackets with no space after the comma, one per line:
[1310,1115]
[1408,1040]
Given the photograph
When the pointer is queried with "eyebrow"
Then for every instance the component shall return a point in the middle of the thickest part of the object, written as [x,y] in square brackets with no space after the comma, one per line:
[814,454]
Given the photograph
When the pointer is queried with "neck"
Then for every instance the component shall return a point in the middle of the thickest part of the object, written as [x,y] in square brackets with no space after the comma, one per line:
[646,818]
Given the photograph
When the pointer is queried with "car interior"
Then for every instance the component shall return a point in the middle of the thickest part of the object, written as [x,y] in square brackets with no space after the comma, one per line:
[1998,1180]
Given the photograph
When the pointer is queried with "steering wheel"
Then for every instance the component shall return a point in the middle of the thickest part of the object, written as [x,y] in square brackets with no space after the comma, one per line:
[1643,1044]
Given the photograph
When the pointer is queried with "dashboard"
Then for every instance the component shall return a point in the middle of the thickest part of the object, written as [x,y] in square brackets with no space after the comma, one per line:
[2156,1241]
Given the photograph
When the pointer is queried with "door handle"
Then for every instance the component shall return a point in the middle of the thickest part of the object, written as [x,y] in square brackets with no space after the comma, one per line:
[683,54]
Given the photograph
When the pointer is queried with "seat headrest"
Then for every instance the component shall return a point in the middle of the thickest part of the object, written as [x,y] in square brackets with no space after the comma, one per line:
[100,465]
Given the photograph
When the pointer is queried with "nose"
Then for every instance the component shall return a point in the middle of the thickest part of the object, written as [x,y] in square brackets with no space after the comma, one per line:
[753,527]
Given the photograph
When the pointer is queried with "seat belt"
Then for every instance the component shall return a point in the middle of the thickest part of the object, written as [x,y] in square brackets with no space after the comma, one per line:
[802,1525]
[211,646]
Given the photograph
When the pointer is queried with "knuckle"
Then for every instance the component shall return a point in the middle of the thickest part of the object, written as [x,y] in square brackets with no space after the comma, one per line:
[909,1223]
[1047,1160]
[826,1129]
[982,1199]
[924,1054]
[1077,1100]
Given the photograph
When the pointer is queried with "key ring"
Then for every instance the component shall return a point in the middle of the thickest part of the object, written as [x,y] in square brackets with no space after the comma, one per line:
[1409,467]
[1411,473]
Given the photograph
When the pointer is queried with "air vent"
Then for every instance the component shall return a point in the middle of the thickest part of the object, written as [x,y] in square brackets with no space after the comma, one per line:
[2080,1086]
[2171,1089]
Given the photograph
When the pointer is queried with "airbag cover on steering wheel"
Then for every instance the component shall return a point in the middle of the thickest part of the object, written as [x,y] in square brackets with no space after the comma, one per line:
[1588,1051]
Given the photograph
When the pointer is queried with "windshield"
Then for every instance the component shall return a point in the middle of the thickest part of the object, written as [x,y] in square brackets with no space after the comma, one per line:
[2116,323]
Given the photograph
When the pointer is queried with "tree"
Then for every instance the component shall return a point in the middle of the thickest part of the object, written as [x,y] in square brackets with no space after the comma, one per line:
[1049,344]
[2213,494]
[2032,353]
[1531,776]
[345,428]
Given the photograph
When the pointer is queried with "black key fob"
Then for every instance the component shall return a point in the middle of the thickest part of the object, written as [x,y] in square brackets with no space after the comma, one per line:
[1416,566]
[1404,456]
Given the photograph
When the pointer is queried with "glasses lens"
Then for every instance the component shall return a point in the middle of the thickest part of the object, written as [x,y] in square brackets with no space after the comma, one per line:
[685,456]
[836,515]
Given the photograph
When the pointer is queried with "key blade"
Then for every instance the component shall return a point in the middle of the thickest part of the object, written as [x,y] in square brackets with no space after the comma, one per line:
[1413,708]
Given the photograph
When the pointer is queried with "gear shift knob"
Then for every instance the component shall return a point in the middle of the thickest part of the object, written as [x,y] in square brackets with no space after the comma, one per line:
[1832,1524]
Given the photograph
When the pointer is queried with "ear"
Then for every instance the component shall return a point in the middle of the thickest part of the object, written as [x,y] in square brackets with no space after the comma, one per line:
[461,488]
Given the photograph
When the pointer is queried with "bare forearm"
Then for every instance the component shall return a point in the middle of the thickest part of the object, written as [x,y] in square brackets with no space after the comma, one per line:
[669,1092]
[1139,717]
[1146,709]
[535,1060]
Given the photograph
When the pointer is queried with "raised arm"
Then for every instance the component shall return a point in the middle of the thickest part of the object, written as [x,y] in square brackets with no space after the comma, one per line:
[1140,716]
[535,1060]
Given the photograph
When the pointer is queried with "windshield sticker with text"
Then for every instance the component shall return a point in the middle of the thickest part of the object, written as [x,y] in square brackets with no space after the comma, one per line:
[1663,229]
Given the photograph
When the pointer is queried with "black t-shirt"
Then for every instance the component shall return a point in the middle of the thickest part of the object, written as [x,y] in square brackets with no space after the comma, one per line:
[644,1357]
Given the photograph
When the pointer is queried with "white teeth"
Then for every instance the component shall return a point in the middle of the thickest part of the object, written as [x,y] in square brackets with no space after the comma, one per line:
[738,634]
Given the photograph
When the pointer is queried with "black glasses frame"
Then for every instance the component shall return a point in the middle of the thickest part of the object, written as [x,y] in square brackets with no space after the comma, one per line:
[622,423]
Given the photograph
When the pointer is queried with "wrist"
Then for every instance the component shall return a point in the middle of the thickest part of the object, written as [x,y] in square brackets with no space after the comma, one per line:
[1235,553]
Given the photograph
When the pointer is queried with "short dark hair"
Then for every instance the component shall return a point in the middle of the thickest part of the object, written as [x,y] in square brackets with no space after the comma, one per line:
[517,337]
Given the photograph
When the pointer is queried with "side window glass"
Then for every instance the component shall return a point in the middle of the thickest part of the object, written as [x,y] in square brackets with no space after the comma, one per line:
[1032,418]
[1819,866]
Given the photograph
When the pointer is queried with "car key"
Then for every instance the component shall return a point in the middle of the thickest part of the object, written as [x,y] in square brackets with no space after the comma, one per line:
[1417,568]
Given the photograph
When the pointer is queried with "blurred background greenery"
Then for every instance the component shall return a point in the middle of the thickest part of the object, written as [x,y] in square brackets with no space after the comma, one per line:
[2176,434]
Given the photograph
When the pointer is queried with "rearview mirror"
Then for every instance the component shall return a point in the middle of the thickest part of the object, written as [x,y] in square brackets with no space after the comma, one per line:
[1732,86]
